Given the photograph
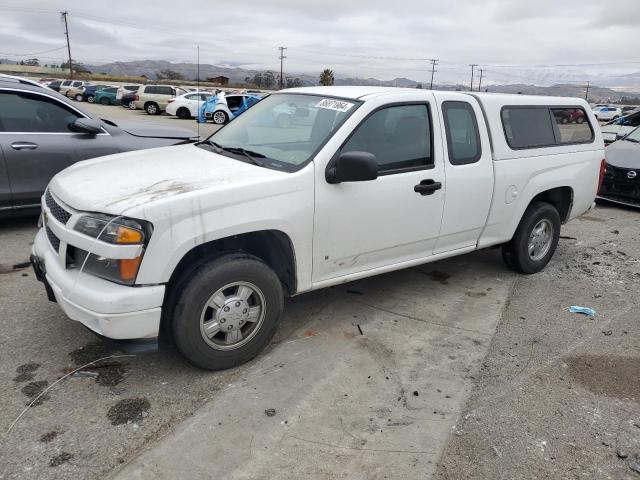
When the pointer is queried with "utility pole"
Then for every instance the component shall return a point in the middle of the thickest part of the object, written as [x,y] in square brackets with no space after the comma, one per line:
[434,62]
[473,66]
[480,84]
[66,32]
[586,95]
[282,57]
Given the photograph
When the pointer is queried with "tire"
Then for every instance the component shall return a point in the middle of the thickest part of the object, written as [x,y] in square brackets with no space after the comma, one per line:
[564,120]
[78,98]
[220,117]
[580,120]
[152,108]
[132,105]
[541,217]
[91,99]
[183,113]
[194,308]
[104,101]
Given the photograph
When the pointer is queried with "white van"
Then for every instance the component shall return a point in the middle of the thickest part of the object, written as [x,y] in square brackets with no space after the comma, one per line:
[204,241]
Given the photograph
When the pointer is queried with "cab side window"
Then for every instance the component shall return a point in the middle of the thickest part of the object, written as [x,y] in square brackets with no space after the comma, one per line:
[399,137]
[27,112]
[463,136]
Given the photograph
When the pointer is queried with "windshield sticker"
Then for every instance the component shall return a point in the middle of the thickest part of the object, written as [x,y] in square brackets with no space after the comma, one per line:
[331,104]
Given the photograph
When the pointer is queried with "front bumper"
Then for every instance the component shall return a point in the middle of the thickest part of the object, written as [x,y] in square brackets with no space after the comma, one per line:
[112,310]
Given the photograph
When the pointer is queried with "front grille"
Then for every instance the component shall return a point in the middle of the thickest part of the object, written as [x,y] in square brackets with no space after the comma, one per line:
[53,240]
[56,210]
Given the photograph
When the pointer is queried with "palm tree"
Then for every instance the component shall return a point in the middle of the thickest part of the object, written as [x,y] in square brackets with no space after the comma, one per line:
[326,77]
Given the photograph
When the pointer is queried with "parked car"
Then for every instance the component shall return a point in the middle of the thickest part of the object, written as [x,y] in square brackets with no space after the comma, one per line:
[562,115]
[124,89]
[154,98]
[73,92]
[106,96]
[607,113]
[42,132]
[211,236]
[55,85]
[618,128]
[88,93]
[128,100]
[622,171]
[228,106]
[187,105]
[66,85]
[577,115]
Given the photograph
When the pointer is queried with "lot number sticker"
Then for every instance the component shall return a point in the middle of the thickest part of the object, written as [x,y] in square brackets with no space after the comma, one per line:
[331,104]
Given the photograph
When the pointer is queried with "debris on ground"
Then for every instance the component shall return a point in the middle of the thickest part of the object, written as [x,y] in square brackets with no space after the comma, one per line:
[270,412]
[49,436]
[634,463]
[590,312]
[58,460]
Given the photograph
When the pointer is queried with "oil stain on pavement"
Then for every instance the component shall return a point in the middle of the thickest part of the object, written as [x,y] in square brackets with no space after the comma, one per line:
[608,375]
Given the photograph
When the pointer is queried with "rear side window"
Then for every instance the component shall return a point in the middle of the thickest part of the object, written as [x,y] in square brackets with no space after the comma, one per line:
[150,90]
[542,126]
[571,126]
[463,137]
[399,137]
[164,91]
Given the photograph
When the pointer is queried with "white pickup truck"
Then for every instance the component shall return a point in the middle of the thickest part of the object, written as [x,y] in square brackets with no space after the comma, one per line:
[203,241]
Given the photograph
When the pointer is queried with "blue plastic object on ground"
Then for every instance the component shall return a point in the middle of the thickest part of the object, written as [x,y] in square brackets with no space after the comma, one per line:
[590,312]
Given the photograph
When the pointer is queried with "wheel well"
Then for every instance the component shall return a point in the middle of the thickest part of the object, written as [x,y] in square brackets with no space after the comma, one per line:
[560,197]
[271,246]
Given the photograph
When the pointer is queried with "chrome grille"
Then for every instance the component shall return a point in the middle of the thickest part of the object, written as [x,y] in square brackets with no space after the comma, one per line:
[53,240]
[56,210]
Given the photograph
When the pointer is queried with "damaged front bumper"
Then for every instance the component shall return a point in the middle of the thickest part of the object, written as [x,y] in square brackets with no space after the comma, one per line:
[109,309]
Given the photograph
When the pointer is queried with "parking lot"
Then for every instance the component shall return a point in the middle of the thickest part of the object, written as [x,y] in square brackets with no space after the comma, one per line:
[456,369]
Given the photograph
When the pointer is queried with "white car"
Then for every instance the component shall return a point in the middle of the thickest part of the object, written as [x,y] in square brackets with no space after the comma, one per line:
[68,84]
[607,113]
[211,236]
[187,105]
[618,128]
[124,89]
[225,109]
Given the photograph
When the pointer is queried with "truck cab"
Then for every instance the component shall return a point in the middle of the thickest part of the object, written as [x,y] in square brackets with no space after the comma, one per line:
[203,242]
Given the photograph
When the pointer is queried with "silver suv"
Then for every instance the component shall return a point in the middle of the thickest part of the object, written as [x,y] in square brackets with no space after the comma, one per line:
[155,98]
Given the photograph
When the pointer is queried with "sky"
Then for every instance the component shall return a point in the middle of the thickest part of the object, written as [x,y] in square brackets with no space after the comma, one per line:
[567,40]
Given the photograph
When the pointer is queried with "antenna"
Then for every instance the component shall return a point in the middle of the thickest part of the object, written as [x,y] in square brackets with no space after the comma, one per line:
[198,92]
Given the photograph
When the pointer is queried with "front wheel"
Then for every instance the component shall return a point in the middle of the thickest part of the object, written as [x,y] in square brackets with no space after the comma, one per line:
[78,98]
[152,108]
[220,117]
[226,311]
[132,105]
[535,240]
[91,99]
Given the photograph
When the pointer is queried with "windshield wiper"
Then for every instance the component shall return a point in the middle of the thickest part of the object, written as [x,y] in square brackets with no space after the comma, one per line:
[631,140]
[252,156]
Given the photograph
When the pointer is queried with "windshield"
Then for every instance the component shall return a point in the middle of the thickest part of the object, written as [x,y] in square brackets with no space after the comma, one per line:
[283,130]
[634,136]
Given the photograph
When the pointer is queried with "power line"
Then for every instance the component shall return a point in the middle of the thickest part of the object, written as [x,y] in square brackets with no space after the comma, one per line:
[434,62]
[32,53]
[282,57]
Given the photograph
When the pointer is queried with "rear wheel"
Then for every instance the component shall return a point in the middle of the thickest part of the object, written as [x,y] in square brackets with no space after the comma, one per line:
[78,98]
[580,119]
[152,108]
[132,105]
[535,240]
[91,99]
[219,117]
[183,113]
[226,311]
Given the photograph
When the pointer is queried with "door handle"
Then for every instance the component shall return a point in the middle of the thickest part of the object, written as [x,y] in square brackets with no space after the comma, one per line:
[427,187]
[24,146]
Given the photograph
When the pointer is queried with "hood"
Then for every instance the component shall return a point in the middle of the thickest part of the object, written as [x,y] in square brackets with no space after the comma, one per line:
[120,182]
[157,131]
[623,154]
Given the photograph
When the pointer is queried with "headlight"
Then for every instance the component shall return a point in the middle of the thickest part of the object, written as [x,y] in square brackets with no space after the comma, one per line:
[116,230]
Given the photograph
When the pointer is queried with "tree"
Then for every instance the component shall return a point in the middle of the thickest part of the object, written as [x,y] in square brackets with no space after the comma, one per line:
[32,62]
[268,79]
[326,77]
[77,66]
[169,75]
[294,82]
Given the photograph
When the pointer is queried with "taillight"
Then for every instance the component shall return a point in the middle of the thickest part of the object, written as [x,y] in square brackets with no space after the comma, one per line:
[170,100]
[136,97]
[603,167]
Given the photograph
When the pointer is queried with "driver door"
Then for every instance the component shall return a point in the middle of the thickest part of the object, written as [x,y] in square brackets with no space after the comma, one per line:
[38,143]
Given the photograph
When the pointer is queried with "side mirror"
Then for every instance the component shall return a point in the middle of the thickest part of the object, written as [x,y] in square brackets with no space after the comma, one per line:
[87,125]
[353,167]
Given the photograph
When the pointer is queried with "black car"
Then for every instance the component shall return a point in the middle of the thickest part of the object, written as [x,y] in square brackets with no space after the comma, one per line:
[89,92]
[42,132]
[128,100]
[621,182]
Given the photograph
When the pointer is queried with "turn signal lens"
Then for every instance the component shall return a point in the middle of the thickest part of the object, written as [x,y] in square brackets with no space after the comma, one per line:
[129,269]
[128,235]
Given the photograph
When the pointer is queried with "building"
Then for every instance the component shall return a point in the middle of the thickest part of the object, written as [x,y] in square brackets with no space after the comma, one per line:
[220,80]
